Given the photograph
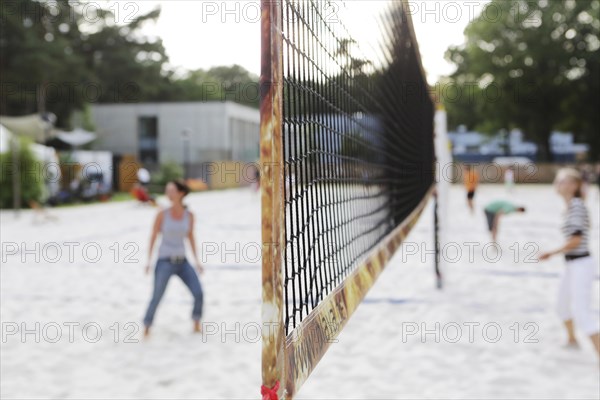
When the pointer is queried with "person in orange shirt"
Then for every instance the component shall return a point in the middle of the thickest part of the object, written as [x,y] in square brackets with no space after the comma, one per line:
[471,181]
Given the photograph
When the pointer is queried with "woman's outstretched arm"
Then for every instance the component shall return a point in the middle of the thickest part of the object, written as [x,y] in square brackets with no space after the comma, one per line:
[192,240]
[571,244]
[155,230]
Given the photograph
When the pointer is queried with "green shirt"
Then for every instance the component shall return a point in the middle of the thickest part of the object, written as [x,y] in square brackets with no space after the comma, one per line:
[501,205]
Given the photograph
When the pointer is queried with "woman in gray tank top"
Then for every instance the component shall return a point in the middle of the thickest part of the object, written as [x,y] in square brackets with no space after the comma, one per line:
[175,224]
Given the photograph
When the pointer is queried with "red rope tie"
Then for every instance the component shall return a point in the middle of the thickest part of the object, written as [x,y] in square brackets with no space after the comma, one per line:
[270,394]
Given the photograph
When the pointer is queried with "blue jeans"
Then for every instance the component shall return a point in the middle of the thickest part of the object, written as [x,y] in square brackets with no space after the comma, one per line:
[162,273]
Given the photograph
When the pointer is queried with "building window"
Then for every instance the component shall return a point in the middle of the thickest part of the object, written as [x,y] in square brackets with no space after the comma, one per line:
[148,139]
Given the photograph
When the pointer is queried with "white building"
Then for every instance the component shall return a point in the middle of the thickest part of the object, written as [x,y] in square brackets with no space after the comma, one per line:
[515,144]
[474,142]
[192,132]
[563,143]
[474,146]
[466,142]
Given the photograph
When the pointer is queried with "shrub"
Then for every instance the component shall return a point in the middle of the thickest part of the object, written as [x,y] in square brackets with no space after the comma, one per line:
[30,175]
[167,171]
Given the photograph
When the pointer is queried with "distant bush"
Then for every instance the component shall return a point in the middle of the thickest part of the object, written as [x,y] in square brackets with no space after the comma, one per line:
[167,171]
[30,176]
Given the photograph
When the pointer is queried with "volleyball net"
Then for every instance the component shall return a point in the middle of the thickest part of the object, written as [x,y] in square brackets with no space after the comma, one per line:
[347,158]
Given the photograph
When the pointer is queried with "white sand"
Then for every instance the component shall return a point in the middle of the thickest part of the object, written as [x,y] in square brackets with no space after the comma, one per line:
[370,361]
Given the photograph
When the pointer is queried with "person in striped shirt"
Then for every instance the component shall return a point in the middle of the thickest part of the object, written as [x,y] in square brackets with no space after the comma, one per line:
[575,289]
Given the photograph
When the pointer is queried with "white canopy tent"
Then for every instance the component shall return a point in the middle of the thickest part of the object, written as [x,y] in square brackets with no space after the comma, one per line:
[76,138]
[32,126]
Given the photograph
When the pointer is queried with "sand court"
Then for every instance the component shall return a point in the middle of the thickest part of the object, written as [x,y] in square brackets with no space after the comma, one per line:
[71,319]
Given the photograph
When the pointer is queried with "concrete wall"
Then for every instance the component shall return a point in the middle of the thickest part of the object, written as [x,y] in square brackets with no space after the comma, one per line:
[116,126]
[212,136]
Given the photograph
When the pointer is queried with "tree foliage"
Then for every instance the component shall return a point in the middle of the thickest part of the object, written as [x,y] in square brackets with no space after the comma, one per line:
[232,83]
[73,57]
[27,171]
[529,64]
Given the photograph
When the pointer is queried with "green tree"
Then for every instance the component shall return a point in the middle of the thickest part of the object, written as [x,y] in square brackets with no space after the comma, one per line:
[533,65]
[233,83]
[37,56]
[127,65]
[52,58]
